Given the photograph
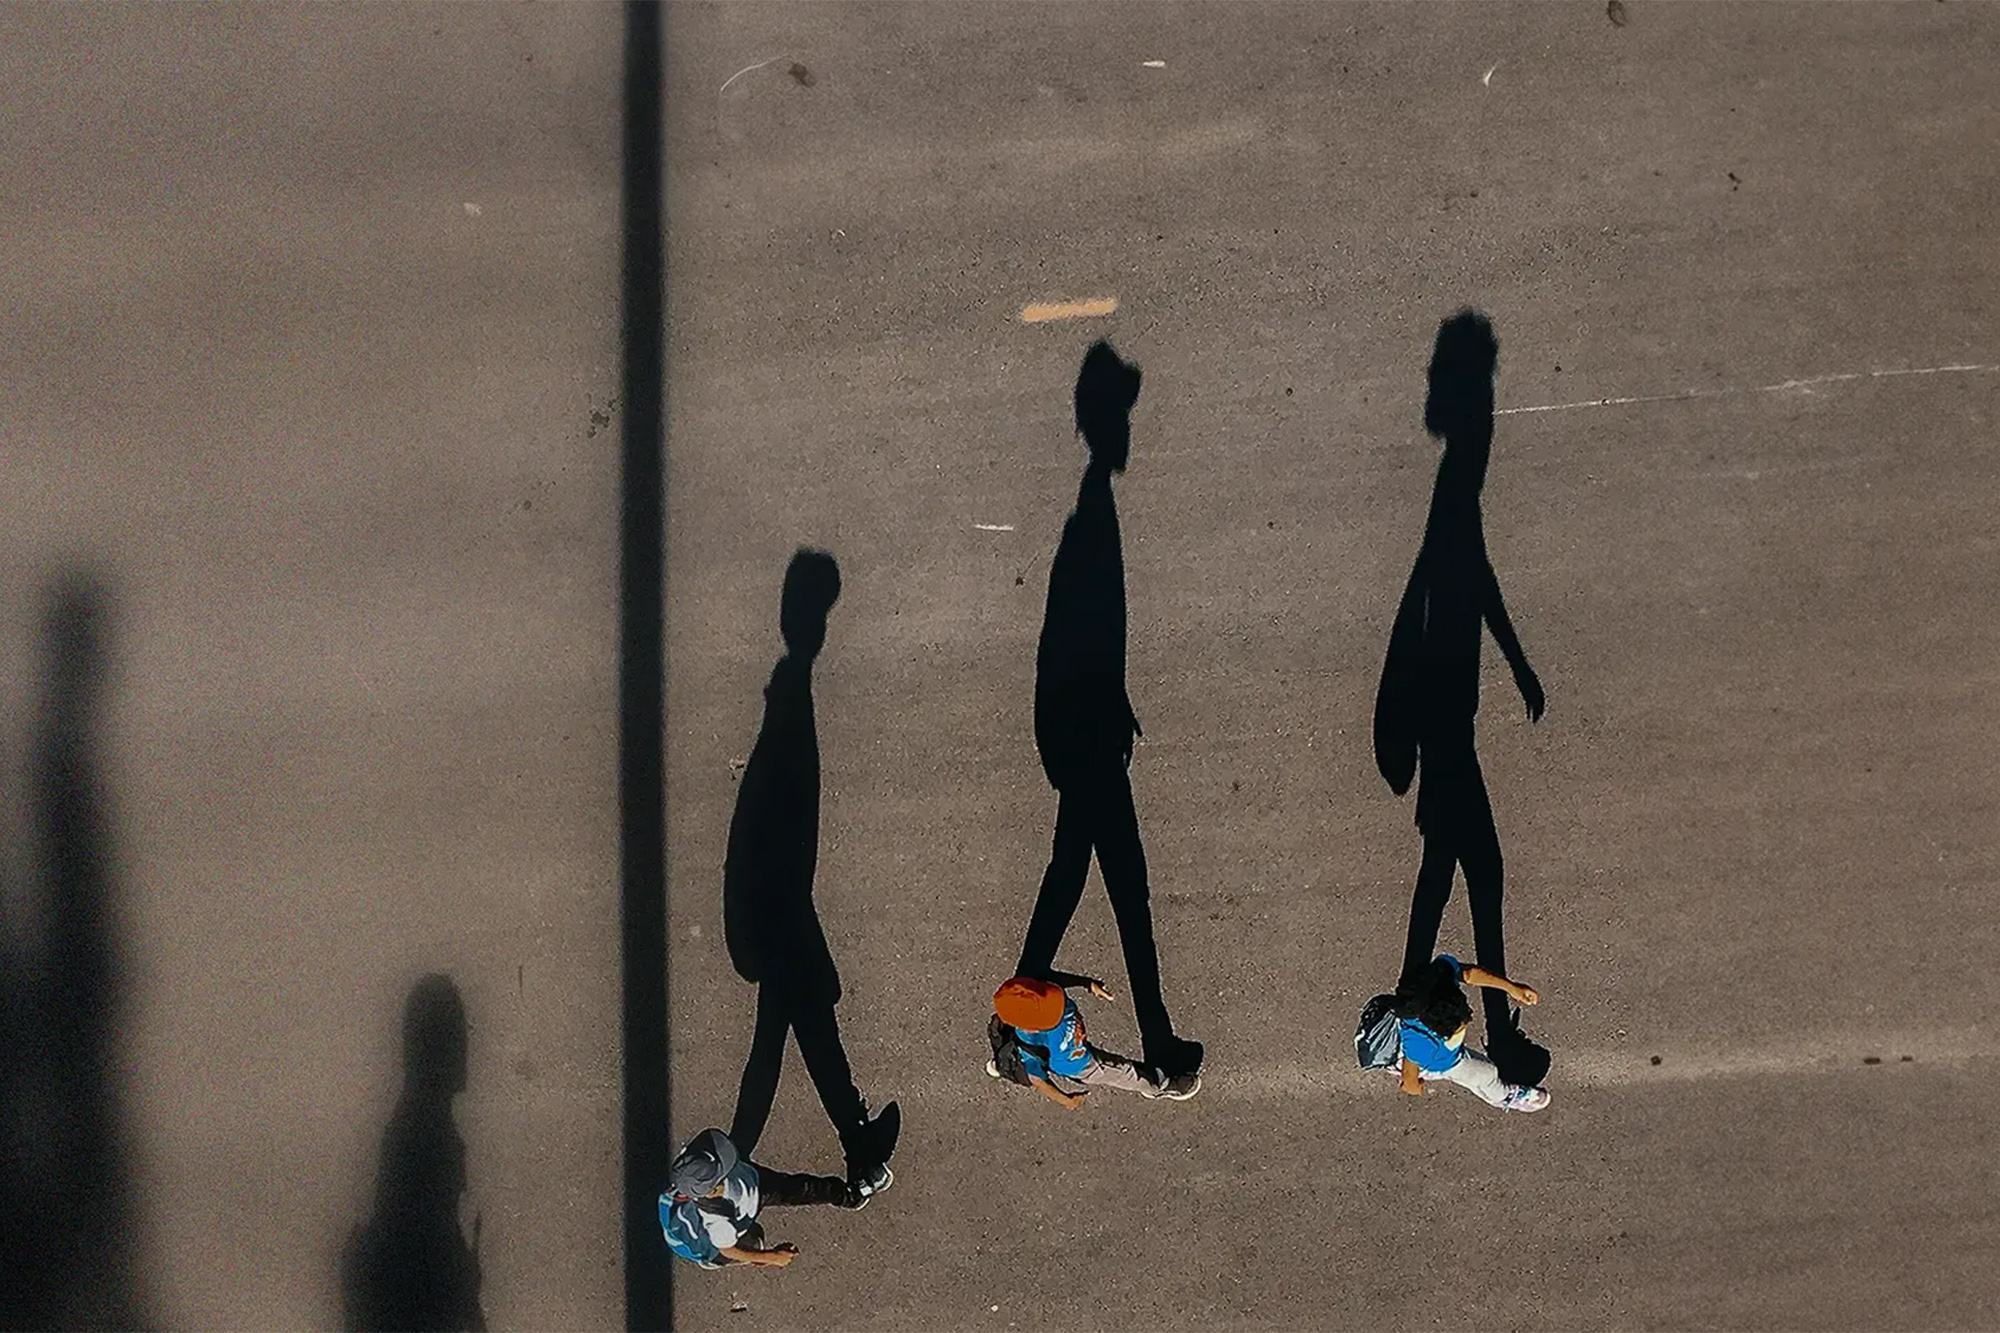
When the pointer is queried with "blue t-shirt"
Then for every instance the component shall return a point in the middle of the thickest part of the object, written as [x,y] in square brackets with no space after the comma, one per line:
[1067,1051]
[1431,1051]
[700,1234]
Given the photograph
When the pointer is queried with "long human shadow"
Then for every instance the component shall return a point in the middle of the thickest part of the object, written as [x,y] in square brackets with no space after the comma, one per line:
[769,920]
[409,1266]
[1084,721]
[67,1259]
[1429,693]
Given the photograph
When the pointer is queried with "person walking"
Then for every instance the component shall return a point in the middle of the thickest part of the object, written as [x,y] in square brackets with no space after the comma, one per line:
[1056,1055]
[1434,1016]
[711,1207]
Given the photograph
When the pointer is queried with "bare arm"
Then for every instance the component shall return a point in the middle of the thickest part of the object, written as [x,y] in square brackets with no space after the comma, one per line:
[1479,976]
[1068,1101]
[1077,980]
[1413,1082]
[778,1256]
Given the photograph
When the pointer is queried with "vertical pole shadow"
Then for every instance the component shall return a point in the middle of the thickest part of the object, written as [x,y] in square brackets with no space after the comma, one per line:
[67,1257]
[642,678]
[1429,694]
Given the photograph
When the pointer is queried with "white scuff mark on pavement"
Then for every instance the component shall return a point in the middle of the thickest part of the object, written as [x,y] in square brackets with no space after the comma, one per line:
[745,70]
[994,527]
[1783,386]
[1154,64]
[1486,79]
[473,210]
[1041,312]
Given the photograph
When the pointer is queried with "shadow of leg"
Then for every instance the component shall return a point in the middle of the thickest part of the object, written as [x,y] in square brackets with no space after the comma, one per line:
[759,1087]
[1427,903]
[833,1078]
[1062,889]
[1122,857]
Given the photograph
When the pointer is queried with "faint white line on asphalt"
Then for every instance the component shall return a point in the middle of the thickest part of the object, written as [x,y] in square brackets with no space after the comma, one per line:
[745,70]
[1040,312]
[994,527]
[1686,395]
[1486,79]
[1154,64]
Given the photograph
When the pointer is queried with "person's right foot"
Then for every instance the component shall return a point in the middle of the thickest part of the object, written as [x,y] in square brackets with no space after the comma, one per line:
[1526,1099]
[1180,1087]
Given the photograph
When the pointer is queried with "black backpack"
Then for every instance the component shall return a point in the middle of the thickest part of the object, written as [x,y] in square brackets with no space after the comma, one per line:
[1378,1041]
[1007,1044]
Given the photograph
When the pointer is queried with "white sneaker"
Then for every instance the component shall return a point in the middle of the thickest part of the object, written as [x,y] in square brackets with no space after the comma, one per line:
[1526,1099]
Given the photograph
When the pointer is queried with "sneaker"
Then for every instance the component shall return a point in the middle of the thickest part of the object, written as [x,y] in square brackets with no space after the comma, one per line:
[1180,1087]
[1526,1099]
[992,1070]
[863,1188]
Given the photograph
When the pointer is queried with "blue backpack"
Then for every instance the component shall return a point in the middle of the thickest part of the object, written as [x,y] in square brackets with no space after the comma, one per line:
[1378,1042]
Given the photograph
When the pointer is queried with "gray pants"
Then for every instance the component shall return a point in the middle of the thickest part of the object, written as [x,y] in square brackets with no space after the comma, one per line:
[1476,1073]
[1115,1071]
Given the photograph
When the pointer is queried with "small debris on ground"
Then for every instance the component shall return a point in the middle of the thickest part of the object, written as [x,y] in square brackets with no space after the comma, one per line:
[1615,11]
[803,75]
[1656,1059]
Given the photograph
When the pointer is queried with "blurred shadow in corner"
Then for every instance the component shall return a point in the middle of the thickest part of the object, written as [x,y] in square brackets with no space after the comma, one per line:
[68,1256]
[409,1267]
[769,921]
[1429,694]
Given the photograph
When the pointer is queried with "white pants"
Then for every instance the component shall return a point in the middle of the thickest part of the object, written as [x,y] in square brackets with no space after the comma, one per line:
[1476,1073]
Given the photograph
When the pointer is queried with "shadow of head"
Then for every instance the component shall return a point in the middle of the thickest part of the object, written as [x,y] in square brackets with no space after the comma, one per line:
[812,586]
[434,1038]
[75,626]
[1106,387]
[1459,406]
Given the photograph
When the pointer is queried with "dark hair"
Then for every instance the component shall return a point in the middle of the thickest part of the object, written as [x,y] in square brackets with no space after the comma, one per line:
[812,586]
[1431,996]
[1106,387]
[1461,370]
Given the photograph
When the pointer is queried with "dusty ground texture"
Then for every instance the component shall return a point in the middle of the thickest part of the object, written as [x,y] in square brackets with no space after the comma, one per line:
[311,349]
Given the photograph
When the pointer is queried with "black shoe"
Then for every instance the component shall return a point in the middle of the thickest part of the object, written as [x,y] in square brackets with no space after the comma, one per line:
[1175,1055]
[864,1188]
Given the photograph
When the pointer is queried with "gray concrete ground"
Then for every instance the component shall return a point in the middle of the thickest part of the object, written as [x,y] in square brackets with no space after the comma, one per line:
[311,348]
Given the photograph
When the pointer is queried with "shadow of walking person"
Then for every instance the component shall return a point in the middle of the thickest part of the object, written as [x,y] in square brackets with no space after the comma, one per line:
[408,1266]
[772,927]
[1084,722]
[67,1258]
[1429,693]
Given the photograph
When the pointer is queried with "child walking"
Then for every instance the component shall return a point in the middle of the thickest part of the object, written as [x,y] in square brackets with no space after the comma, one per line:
[1434,1015]
[1058,1059]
